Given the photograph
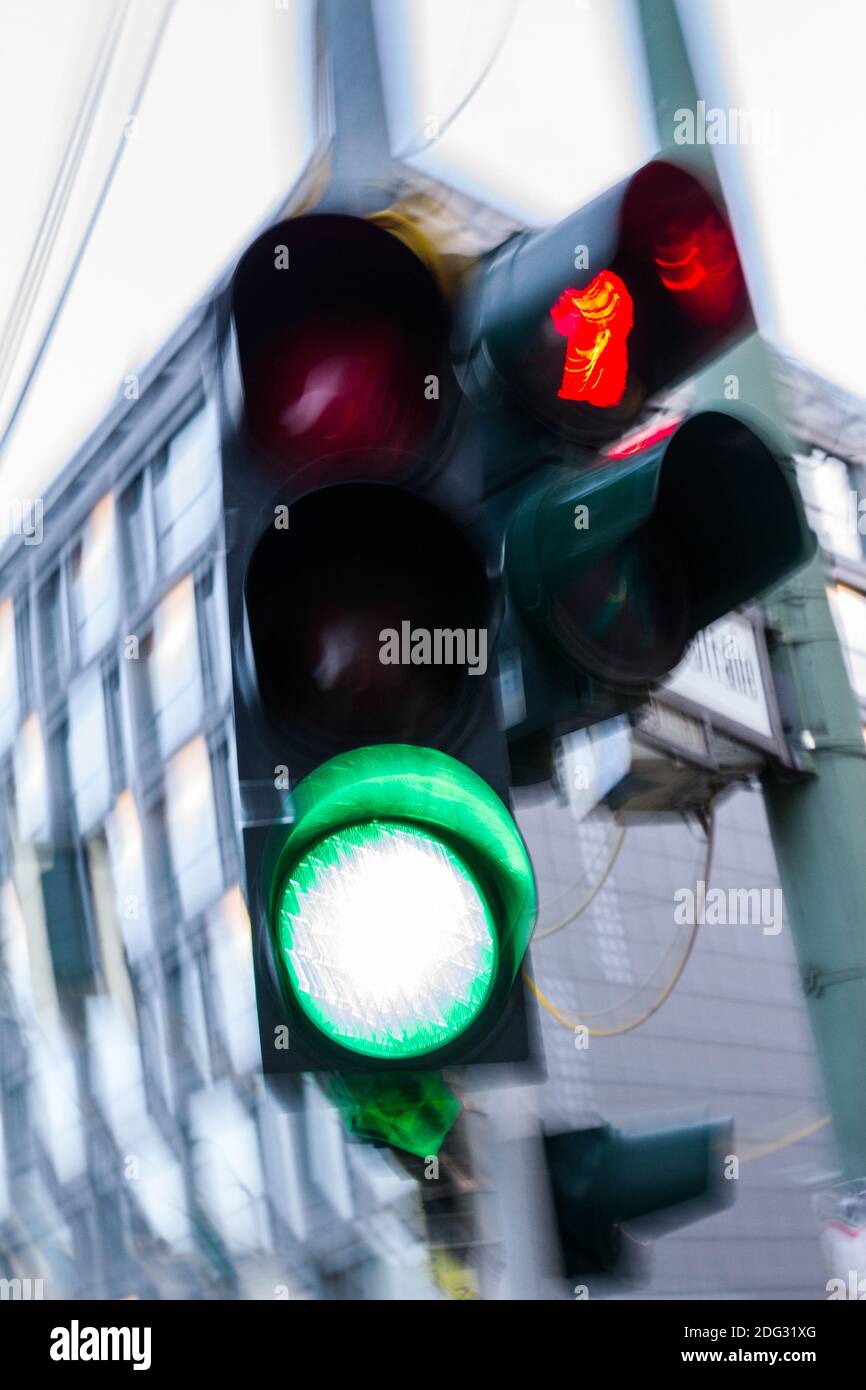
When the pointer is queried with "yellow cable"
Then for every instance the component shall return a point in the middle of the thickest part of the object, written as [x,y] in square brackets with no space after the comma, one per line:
[772,1146]
[593,892]
[572,1023]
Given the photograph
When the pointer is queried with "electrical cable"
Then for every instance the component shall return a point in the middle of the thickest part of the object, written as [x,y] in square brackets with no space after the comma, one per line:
[572,1023]
[761,1149]
[593,892]
[418,146]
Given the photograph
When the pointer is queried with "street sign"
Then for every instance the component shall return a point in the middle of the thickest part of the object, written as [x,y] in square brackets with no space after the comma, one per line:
[725,672]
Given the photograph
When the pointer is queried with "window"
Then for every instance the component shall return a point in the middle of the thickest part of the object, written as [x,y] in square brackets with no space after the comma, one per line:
[24,651]
[175,668]
[89,757]
[22,907]
[139,538]
[192,827]
[113,969]
[229,1178]
[128,872]
[850,611]
[114,715]
[230,962]
[117,1078]
[7,802]
[14,953]
[833,492]
[54,630]
[225,810]
[216,611]
[193,1013]
[31,782]
[57,1110]
[95,581]
[187,492]
[857,504]
[9,702]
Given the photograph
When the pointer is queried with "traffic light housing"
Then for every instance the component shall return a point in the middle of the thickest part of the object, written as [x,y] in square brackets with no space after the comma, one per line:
[423,484]
[580,325]
[613,569]
[603,1180]
[626,528]
[390,894]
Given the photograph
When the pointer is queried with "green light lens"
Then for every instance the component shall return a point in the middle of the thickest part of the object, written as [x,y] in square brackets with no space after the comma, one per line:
[386,939]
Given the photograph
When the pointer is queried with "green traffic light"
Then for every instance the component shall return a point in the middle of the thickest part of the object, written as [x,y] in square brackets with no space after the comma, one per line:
[387,939]
[401,903]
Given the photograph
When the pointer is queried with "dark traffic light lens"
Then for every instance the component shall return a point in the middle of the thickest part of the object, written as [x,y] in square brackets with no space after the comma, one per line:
[625,613]
[342,334]
[337,384]
[368,616]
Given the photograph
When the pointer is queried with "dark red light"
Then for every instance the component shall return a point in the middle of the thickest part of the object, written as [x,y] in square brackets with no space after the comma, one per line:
[342,336]
[596,321]
[699,264]
[333,387]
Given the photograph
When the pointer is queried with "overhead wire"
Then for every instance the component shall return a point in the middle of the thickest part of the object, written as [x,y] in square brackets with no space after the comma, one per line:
[59,195]
[60,304]
[418,146]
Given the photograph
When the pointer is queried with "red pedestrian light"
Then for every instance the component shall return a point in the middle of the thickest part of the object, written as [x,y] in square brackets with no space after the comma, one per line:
[597,322]
[670,294]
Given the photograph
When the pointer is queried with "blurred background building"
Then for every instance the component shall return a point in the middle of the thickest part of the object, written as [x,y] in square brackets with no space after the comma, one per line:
[142,1153]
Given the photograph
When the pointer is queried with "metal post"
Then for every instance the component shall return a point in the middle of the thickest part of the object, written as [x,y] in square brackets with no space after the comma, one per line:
[817,821]
[820,843]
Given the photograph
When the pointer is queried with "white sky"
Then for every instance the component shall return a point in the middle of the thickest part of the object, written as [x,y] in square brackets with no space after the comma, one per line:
[226,125]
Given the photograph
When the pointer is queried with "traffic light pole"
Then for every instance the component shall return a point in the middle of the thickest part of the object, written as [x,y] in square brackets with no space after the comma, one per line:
[812,820]
[819,853]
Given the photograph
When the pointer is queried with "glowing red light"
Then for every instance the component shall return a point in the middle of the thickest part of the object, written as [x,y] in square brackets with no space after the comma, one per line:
[639,441]
[700,265]
[596,321]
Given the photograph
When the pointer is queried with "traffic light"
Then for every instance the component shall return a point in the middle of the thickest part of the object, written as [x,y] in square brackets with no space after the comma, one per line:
[613,569]
[458,525]
[390,893]
[399,907]
[580,325]
[626,528]
[603,1180]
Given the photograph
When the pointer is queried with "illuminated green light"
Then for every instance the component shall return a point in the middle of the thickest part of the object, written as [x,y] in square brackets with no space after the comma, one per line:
[400,904]
[386,939]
